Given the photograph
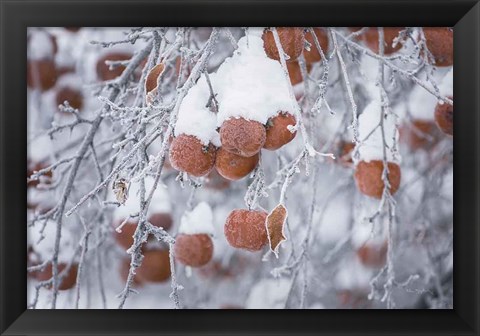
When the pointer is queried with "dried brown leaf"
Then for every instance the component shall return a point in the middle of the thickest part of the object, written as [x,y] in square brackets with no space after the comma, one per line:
[275,227]
[151,81]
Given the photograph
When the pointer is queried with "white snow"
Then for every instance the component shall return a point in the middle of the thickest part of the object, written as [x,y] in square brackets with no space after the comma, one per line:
[371,148]
[41,46]
[46,246]
[446,86]
[269,294]
[198,221]
[369,71]
[222,249]
[421,104]
[256,31]
[69,80]
[253,86]
[194,118]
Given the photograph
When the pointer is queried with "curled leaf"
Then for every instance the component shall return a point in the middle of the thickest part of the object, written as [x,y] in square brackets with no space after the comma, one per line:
[275,223]
[120,189]
[151,82]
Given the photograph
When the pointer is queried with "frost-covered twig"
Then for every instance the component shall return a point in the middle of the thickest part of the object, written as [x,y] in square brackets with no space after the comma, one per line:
[354,124]
[385,177]
[395,68]
[122,80]
[324,80]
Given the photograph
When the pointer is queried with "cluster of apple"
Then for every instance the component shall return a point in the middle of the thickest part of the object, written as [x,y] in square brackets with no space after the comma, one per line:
[293,41]
[422,133]
[49,70]
[45,75]
[239,153]
[155,267]
[52,71]
[193,246]
[429,118]
[241,138]
[245,229]
[53,68]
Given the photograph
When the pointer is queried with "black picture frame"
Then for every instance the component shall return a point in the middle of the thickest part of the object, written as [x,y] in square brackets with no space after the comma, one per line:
[17,15]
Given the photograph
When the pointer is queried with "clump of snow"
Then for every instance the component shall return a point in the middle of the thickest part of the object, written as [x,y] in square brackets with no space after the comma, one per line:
[41,46]
[222,250]
[269,294]
[46,247]
[248,85]
[252,85]
[421,104]
[198,221]
[160,201]
[370,134]
[446,86]
[255,31]
[369,71]
[194,118]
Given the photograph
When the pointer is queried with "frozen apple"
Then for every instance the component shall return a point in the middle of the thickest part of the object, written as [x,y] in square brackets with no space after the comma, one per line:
[291,40]
[368,177]
[189,155]
[246,229]
[234,167]
[278,132]
[193,250]
[242,137]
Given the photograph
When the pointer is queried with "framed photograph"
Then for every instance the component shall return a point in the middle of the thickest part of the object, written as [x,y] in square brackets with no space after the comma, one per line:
[207,167]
